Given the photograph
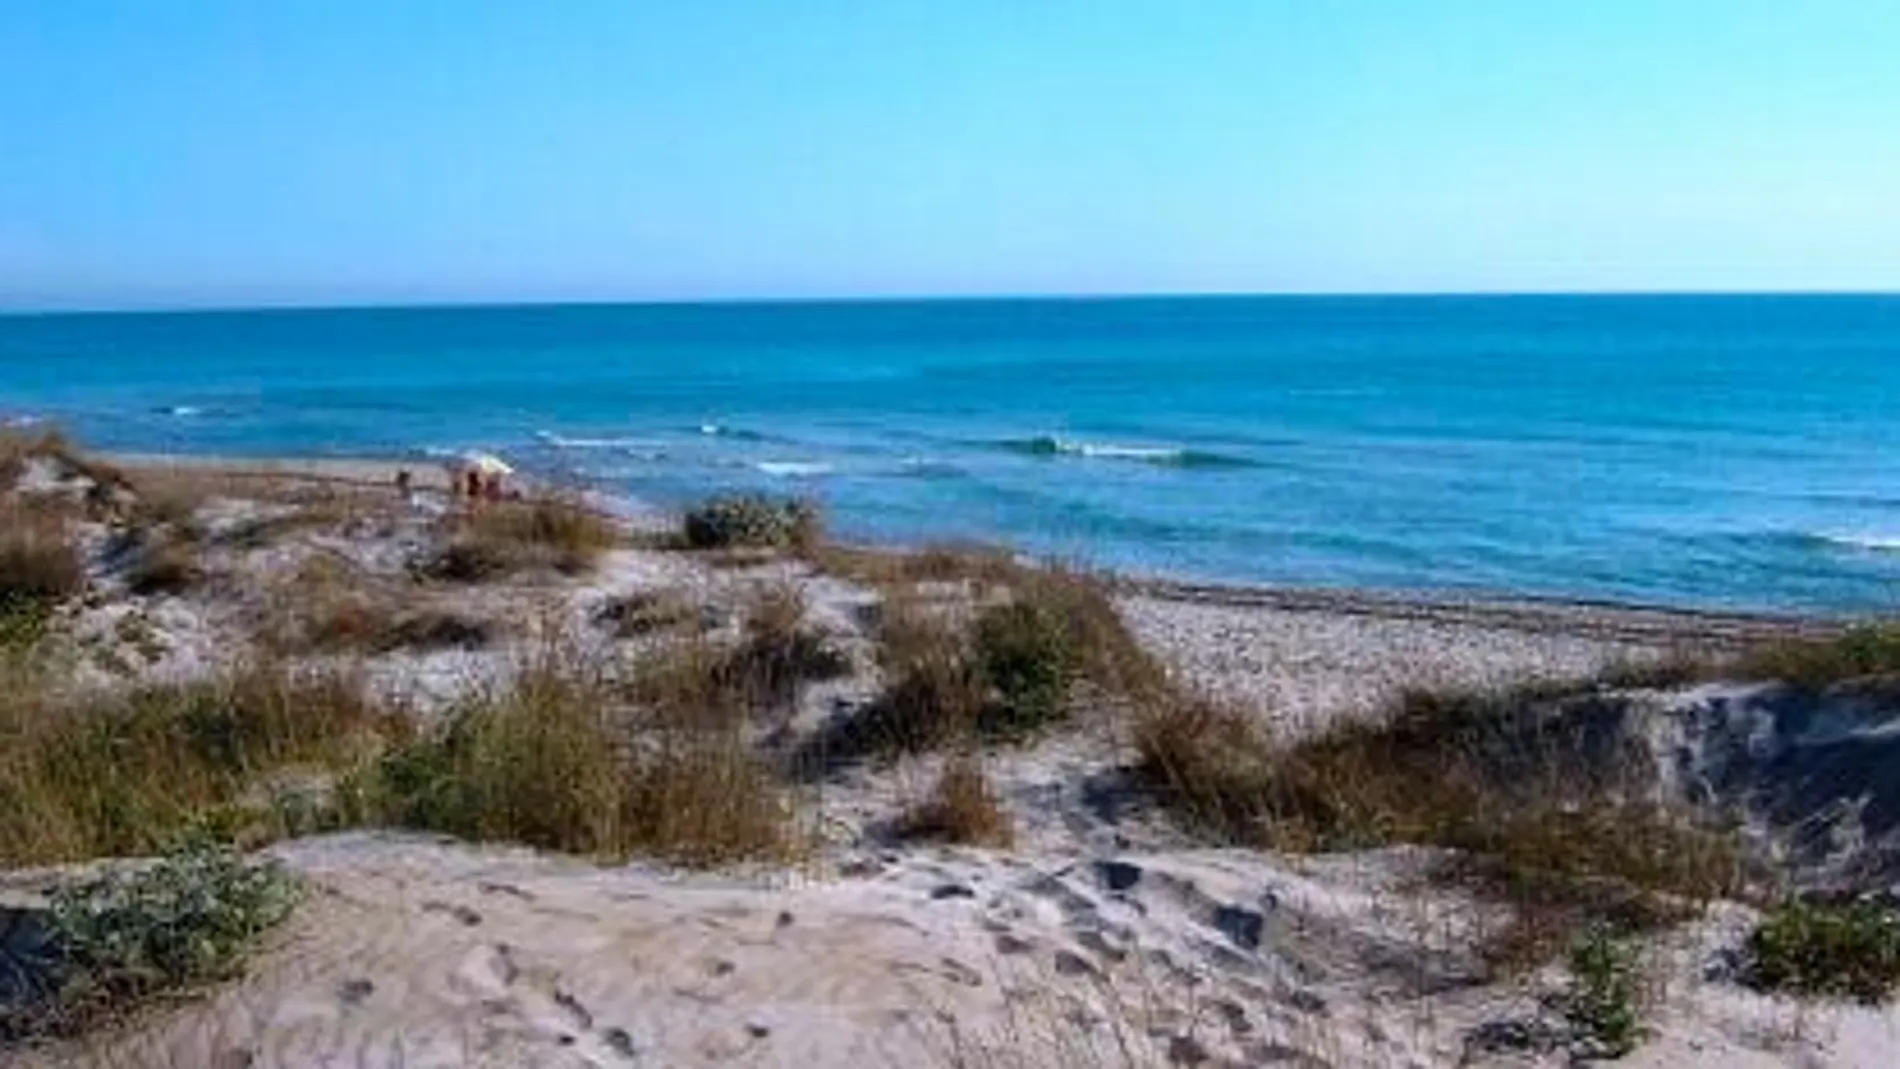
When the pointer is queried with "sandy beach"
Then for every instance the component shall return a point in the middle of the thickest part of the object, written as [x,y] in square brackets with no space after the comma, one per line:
[1102,934]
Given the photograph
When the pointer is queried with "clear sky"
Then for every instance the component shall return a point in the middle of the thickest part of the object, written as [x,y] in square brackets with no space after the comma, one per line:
[315,151]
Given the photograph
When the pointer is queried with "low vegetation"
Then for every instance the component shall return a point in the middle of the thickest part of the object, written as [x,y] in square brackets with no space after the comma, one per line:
[1603,1003]
[981,567]
[1814,664]
[493,539]
[779,653]
[108,944]
[358,621]
[1545,811]
[1849,951]
[554,760]
[166,565]
[961,808]
[124,773]
[39,564]
[752,522]
[644,613]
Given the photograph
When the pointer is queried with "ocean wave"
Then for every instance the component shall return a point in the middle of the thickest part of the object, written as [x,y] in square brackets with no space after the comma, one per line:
[624,444]
[181,411]
[1161,456]
[792,469]
[928,468]
[737,434]
[1871,543]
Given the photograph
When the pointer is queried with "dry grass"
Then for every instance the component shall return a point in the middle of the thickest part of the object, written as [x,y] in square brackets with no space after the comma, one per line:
[556,760]
[779,653]
[644,613]
[982,567]
[39,564]
[1007,673]
[332,618]
[492,539]
[1814,664]
[1545,806]
[123,773]
[165,565]
[961,808]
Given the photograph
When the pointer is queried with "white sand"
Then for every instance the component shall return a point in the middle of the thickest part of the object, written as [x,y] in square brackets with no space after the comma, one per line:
[1102,939]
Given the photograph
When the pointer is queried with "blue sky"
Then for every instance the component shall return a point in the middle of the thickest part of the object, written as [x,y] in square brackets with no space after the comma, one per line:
[316,151]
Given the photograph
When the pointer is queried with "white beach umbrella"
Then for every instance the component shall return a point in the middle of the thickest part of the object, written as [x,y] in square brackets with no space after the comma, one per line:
[486,464]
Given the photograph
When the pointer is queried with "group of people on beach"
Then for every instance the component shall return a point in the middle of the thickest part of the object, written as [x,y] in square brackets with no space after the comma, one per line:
[469,482]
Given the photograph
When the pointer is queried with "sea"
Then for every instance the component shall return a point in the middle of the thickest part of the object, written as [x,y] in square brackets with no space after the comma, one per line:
[1696,451]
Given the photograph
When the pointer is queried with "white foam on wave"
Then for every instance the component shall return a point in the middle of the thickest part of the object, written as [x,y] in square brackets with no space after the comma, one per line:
[1876,543]
[562,442]
[1111,451]
[792,469]
[183,411]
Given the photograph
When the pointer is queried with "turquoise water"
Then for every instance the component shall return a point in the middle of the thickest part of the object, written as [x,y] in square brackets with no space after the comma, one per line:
[1740,451]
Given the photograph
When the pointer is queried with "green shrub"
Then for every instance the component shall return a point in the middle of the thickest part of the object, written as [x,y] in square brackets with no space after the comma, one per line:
[1839,951]
[751,521]
[117,940]
[1029,654]
[1602,1004]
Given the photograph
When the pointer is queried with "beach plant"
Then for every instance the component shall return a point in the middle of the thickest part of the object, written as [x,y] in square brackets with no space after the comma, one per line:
[1849,950]
[1815,663]
[1539,807]
[778,653]
[497,538]
[106,773]
[554,759]
[961,807]
[39,564]
[166,565]
[751,521]
[108,943]
[1029,654]
[1602,1003]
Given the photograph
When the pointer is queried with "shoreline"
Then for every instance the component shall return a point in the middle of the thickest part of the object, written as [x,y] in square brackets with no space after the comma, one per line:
[1604,618]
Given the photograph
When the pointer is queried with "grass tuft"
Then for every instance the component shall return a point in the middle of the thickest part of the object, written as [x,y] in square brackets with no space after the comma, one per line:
[1603,1002]
[1814,664]
[779,653]
[39,564]
[123,773]
[553,761]
[164,566]
[493,539]
[961,808]
[1546,807]
[1835,951]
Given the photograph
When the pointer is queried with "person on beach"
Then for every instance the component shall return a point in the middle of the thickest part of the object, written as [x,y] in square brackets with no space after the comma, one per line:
[405,486]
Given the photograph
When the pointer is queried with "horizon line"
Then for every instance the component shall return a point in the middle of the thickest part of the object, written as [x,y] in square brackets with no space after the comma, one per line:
[1104,297]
